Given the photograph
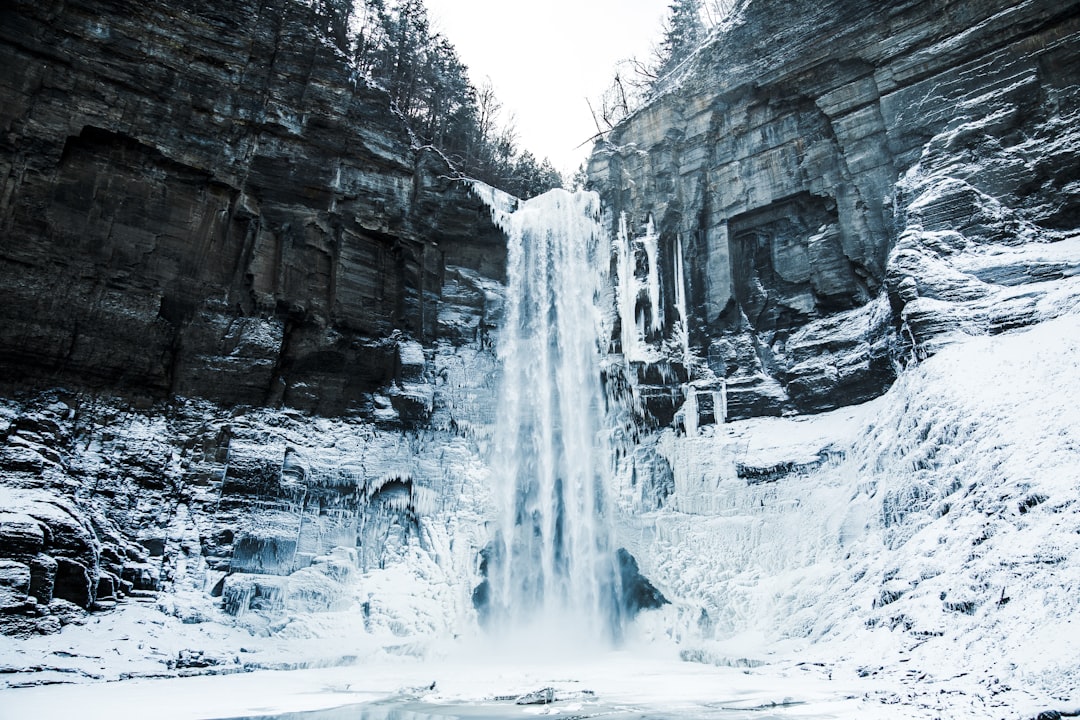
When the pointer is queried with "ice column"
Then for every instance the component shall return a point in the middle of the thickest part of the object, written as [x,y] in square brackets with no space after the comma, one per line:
[680,302]
[634,325]
[650,242]
[690,413]
[552,563]
[720,402]
[626,292]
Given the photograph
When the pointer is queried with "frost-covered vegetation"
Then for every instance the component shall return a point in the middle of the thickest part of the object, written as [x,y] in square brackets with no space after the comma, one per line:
[393,44]
[688,25]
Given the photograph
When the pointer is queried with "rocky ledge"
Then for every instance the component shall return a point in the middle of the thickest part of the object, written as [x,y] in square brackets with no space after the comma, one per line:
[851,187]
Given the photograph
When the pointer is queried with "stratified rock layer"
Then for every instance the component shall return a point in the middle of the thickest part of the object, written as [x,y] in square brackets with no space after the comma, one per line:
[850,183]
[203,208]
[201,200]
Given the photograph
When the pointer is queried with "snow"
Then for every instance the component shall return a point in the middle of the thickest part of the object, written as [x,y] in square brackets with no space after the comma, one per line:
[916,556]
[929,538]
[610,683]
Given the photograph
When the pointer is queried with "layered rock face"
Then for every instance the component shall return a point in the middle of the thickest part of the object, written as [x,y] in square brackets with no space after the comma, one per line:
[202,208]
[852,186]
[203,202]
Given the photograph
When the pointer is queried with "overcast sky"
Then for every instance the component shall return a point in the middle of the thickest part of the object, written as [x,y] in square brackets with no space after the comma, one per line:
[545,57]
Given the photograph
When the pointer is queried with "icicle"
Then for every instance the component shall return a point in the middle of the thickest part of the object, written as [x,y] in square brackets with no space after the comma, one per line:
[720,402]
[627,291]
[690,412]
[651,244]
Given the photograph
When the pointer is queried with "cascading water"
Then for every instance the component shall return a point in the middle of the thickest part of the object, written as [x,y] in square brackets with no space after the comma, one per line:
[552,565]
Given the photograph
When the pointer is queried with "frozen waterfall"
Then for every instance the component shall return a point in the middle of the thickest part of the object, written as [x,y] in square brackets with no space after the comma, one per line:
[551,567]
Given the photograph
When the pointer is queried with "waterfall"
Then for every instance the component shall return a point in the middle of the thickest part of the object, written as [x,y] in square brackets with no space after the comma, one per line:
[551,565]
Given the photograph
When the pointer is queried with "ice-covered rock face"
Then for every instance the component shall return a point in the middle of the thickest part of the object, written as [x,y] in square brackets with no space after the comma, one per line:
[278,522]
[928,536]
[848,187]
[832,197]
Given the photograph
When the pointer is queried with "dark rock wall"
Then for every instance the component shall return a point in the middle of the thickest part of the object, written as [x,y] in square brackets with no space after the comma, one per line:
[785,157]
[198,199]
[201,208]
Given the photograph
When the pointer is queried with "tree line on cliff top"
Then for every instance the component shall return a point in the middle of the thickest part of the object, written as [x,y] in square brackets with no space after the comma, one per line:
[394,45]
[686,27]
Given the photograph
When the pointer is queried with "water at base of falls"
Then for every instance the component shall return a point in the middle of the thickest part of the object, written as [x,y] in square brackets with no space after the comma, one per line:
[551,568]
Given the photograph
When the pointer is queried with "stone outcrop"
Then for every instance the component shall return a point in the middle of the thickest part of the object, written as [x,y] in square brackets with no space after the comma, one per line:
[851,185]
[203,201]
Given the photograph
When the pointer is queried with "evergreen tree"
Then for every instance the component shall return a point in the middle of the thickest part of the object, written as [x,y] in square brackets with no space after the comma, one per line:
[392,44]
[333,17]
[684,30]
[370,40]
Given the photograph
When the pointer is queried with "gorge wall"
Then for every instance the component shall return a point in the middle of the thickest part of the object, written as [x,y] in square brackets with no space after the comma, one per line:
[206,213]
[246,332]
[204,202]
[852,200]
[852,186]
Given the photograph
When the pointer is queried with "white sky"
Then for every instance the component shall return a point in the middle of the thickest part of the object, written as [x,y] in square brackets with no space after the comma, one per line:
[545,57]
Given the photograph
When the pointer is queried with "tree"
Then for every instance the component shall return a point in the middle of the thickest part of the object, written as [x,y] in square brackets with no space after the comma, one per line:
[529,178]
[370,39]
[717,10]
[580,181]
[333,16]
[635,80]
[684,31]
[392,44]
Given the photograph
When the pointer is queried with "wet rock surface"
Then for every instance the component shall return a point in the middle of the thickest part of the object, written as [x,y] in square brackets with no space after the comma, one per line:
[851,187]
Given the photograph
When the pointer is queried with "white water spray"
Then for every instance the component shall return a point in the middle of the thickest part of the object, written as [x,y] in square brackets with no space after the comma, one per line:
[552,563]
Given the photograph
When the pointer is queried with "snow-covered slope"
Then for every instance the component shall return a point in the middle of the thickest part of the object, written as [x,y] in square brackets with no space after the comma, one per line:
[931,536]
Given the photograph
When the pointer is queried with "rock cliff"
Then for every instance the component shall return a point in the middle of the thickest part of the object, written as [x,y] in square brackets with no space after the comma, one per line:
[206,213]
[203,201]
[851,186]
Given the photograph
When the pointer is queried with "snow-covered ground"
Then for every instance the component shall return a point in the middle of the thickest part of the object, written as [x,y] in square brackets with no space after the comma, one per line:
[635,683]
